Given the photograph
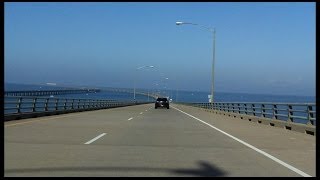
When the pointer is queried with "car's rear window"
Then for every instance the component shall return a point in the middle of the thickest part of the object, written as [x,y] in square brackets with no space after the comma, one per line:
[162,99]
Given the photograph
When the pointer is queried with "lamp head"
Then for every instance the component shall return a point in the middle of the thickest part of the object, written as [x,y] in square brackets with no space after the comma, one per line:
[179,23]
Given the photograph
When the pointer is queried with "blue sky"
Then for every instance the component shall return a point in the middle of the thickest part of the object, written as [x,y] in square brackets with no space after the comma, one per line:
[261,47]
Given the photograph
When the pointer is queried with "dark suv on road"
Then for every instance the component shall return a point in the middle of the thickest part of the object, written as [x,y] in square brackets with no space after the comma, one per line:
[162,102]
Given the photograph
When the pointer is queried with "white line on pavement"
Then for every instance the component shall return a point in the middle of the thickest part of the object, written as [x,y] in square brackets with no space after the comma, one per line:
[130,119]
[89,142]
[252,147]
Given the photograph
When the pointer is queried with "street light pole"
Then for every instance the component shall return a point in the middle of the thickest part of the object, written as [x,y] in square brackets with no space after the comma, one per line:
[213,53]
[213,60]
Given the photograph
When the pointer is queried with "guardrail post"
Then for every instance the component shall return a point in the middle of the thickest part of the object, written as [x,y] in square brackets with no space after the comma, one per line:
[232,107]
[245,108]
[290,113]
[253,110]
[78,103]
[310,115]
[263,110]
[56,104]
[65,104]
[34,104]
[239,108]
[274,112]
[19,105]
[46,104]
[72,104]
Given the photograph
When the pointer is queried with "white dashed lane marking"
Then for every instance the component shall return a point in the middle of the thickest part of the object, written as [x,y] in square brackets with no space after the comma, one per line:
[92,140]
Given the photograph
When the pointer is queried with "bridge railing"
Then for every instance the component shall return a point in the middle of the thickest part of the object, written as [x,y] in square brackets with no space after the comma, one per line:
[49,92]
[19,107]
[304,113]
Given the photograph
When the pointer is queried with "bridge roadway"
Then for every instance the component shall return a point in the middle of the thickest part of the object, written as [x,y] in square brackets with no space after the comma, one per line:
[143,141]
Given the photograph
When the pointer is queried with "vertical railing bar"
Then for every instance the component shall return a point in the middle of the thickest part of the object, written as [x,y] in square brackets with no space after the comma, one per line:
[253,109]
[56,104]
[72,104]
[46,104]
[34,104]
[274,106]
[263,110]
[65,104]
[245,108]
[290,119]
[78,103]
[19,105]
[310,115]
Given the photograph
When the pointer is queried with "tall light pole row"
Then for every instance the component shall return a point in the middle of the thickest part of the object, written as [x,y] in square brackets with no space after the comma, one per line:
[213,30]
[134,88]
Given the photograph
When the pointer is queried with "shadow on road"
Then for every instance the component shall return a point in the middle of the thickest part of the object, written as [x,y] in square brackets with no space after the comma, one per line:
[204,169]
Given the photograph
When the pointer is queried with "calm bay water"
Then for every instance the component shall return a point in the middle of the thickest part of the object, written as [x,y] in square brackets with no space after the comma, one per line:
[180,96]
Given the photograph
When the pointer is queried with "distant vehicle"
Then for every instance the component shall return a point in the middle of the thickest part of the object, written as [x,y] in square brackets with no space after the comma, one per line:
[162,102]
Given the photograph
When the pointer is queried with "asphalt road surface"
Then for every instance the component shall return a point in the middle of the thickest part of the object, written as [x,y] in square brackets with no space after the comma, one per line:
[143,141]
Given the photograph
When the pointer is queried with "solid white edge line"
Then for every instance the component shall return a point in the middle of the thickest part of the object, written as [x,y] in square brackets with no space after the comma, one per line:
[89,142]
[130,119]
[252,147]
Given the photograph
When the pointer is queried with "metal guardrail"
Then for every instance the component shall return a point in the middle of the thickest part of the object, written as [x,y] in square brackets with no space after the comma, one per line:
[49,92]
[18,106]
[304,113]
